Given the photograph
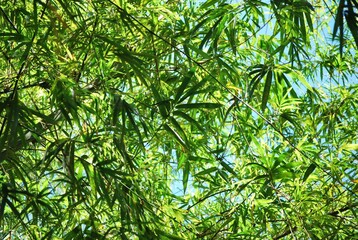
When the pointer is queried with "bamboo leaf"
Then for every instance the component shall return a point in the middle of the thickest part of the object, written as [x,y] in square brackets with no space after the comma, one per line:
[349,147]
[193,90]
[351,18]
[178,128]
[309,171]
[263,202]
[186,171]
[175,135]
[192,121]
[206,171]
[118,105]
[129,111]
[184,84]
[302,79]
[266,92]
[199,105]
[338,24]
[168,235]
[228,168]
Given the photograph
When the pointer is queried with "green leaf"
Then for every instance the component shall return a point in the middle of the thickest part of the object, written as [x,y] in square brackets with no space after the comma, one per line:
[302,79]
[338,24]
[164,105]
[186,172]
[209,34]
[223,175]
[175,135]
[193,90]
[208,3]
[118,105]
[168,235]
[199,51]
[184,84]
[349,147]
[263,202]
[228,168]
[129,111]
[207,171]
[13,37]
[199,105]
[266,92]
[256,75]
[191,121]
[309,171]
[351,18]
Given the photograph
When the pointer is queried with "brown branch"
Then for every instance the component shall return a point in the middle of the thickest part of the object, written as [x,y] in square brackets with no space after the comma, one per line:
[343,209]
[43,84]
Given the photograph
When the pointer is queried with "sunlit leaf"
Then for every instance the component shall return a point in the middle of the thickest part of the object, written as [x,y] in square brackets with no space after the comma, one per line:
[175,135]
[349,147]
[178,120]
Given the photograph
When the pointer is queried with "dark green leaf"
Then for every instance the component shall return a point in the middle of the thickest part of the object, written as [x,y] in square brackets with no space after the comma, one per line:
[175,135]
[186,172]
[189,119]
[199,105]
[266,92]
[309,171]
[207,171]
[184,84]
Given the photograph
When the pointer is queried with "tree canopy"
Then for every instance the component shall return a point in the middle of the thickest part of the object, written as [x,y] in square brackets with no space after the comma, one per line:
[128,119]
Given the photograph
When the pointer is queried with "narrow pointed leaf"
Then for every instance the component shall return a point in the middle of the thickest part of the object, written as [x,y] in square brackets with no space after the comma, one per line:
[175,135]
[199,105]
[266,93]
[186,171]
[183,85]
[189,119]
[309,171]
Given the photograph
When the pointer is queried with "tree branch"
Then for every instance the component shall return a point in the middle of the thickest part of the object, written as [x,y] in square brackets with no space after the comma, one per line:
[333,213]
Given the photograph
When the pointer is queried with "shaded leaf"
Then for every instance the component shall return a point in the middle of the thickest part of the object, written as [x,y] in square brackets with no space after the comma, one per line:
[199,105]
[184,84]
[309,171]
[192,121]
[186,171]
[266,92]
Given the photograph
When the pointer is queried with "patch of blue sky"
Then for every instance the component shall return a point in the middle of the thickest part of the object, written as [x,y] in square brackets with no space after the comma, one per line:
[320,78]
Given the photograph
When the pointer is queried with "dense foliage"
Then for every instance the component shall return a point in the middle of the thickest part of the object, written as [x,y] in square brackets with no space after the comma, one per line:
[178,119]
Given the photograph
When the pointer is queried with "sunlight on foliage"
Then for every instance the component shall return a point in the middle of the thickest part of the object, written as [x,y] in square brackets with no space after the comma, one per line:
[178,119]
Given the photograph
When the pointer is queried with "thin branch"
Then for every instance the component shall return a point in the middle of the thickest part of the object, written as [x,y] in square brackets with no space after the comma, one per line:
[208,196]
[238,98]
[333,213]
[285,233]
[343,209]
